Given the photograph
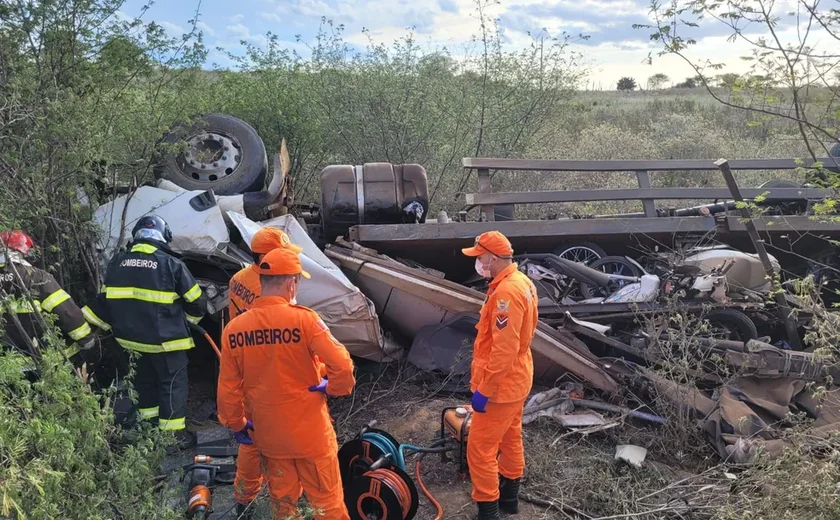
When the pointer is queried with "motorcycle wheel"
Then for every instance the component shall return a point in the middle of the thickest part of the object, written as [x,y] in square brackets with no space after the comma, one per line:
[610,265]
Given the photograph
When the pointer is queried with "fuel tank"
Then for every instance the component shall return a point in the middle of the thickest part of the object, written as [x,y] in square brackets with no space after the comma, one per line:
[374,193]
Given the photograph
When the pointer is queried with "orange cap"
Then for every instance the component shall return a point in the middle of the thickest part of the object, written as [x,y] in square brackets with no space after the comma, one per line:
[281,261]
[270,238]
[490,242]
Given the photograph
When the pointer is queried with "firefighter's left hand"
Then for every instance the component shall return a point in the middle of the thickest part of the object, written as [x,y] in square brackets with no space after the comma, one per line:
[479,402]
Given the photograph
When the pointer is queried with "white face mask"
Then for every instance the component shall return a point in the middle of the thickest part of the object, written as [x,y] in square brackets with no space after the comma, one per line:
[481,269]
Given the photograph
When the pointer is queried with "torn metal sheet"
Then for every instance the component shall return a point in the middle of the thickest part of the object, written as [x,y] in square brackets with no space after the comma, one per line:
[409,299]
[196,232]
[346,310]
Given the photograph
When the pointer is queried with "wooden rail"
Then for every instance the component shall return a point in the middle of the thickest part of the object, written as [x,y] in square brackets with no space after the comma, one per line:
[647,195]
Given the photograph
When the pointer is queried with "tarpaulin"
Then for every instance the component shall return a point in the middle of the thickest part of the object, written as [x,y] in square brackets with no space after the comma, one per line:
[349,314]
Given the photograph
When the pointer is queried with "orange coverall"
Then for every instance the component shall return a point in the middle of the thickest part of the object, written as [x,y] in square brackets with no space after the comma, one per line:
[270,358]
[502,370]
[244,291]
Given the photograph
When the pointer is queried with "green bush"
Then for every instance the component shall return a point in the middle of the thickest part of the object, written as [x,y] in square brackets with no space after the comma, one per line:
[61,455]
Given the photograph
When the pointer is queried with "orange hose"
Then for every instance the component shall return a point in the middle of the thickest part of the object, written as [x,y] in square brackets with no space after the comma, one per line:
[426,491]
[397,484]
[213,344]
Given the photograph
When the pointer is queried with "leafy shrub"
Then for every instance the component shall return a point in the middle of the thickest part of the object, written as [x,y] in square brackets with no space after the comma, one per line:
[61,455]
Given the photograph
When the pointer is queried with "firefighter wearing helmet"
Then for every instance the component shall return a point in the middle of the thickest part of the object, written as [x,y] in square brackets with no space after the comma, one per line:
[26,291]
[148,300]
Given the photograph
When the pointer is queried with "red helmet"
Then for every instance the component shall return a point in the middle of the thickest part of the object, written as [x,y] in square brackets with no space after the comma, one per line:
[17,240]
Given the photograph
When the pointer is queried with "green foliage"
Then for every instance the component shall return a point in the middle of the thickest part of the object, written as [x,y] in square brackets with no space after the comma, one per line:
[61,455]
[657,81]
[626,84]
[83,98]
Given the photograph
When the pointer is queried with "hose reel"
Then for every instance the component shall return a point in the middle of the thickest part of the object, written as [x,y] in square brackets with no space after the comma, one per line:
[376,486]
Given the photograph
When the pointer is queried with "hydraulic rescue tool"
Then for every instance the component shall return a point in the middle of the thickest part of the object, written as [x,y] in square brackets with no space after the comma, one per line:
[203,475]
[373,469]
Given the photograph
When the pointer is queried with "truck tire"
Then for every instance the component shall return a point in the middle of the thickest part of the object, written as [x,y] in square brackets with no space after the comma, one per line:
[736,322]
[223,153]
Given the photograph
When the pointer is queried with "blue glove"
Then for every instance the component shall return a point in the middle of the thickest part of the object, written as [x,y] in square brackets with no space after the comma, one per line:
[320,387]
[242,436]
[479,402]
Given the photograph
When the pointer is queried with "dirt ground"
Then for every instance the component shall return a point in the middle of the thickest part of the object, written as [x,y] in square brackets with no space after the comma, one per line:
[403,409]
[562,467]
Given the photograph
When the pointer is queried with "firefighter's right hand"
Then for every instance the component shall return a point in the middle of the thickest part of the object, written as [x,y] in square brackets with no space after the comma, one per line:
[87,344]
[320,387]
[242,436]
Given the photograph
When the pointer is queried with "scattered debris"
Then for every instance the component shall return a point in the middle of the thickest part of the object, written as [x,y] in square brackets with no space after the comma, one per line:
[633,455]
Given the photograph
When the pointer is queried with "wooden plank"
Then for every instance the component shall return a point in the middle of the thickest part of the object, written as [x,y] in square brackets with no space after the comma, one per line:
[543,197]
[485,188]
[785,224]
[631,166]
[643,177]
[467,231]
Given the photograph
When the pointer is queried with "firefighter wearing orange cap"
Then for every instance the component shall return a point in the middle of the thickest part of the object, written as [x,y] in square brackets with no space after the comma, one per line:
[502,375]
[244,286]
[272,395]
[244,289]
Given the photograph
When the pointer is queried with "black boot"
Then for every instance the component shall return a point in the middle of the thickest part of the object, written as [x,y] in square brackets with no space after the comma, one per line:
[488,511]
[184,440]
[245,511]
[509,495]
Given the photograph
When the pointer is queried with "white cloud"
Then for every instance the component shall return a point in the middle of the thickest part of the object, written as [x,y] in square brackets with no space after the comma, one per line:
[243,33]
[172,29]
[237,18]
[271,17]
[206,29]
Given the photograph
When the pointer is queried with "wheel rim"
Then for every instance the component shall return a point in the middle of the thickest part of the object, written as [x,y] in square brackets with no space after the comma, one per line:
[580,254]
[210,156]
[617,268]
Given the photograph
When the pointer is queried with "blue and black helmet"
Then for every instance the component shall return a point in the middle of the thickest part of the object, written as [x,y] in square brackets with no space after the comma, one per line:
[152,227]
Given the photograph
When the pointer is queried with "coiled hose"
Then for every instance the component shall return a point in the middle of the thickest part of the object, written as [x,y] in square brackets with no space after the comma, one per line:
[397,454]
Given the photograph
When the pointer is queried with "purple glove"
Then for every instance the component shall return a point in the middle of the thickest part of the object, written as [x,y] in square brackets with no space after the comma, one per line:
[479,402]
[242,436]
[320,387]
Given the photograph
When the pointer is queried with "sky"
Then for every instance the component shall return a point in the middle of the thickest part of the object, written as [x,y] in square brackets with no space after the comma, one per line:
[613,49]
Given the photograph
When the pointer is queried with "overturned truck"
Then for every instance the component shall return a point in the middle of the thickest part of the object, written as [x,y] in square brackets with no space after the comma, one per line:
[380,261]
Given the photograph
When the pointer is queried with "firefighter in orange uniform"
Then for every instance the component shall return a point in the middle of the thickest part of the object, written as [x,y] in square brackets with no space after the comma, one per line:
[272,395]
[502,375]
[244,289]
[245,284]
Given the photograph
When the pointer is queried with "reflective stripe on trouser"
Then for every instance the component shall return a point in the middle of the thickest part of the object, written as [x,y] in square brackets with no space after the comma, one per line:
[161,383]
[249,474]
[149,413]
[495,448]
[320,480]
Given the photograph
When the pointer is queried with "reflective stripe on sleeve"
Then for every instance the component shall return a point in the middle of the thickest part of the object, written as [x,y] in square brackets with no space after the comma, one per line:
[91,317]
[193,294]
[193,319]
[54,300]
[80,332]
